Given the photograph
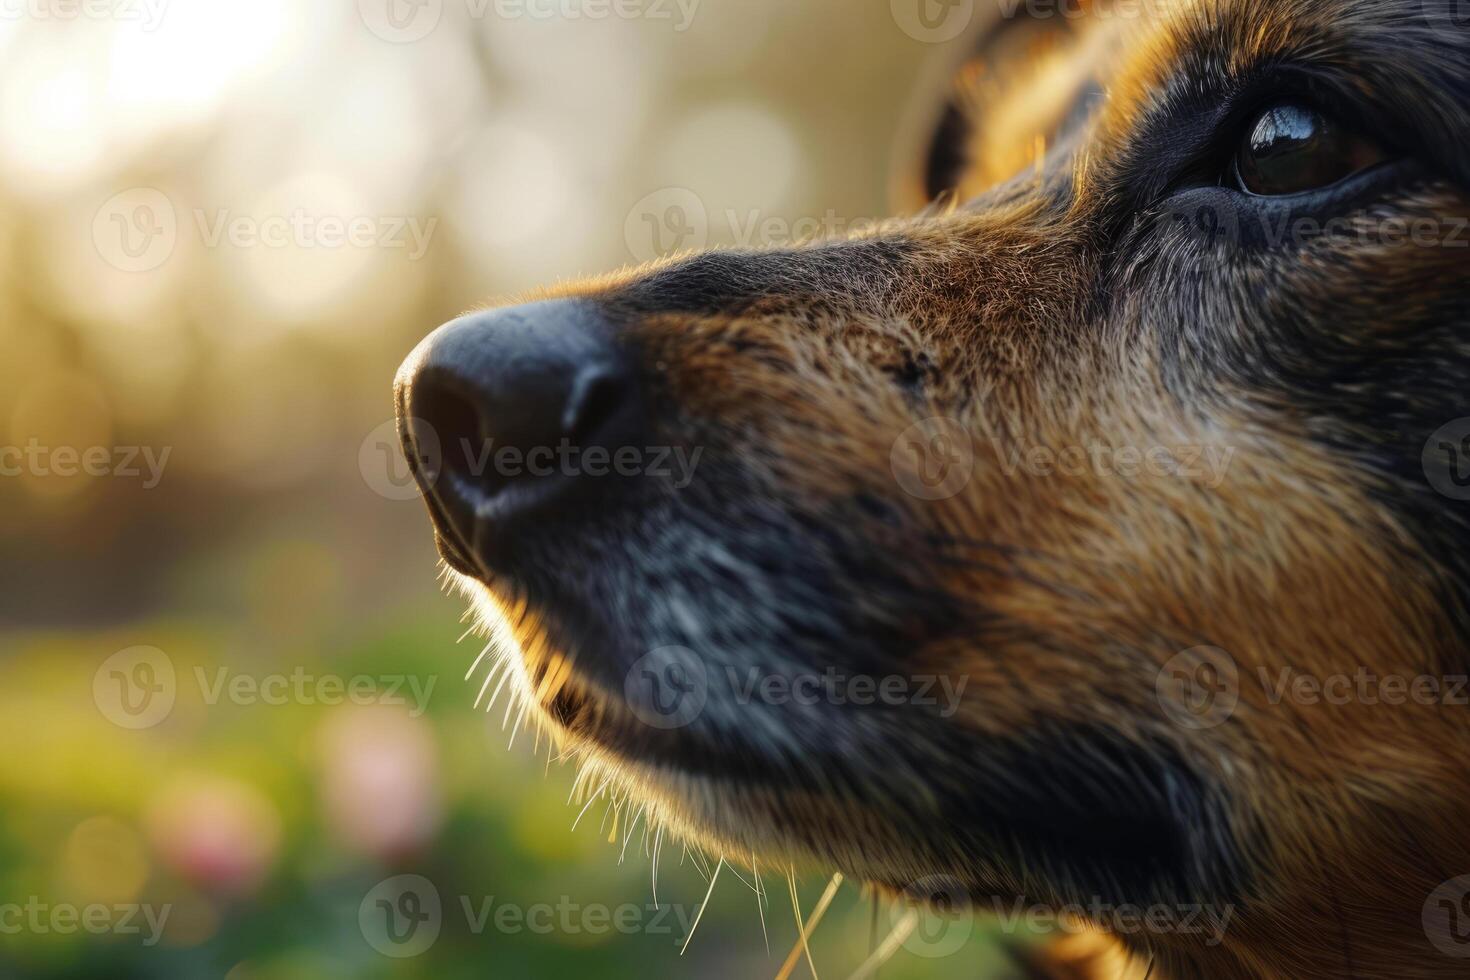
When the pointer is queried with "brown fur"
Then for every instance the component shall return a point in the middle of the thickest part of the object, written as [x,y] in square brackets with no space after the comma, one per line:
[1046,313]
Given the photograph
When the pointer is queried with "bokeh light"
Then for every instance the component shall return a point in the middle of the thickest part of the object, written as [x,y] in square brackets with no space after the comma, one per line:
[222,225]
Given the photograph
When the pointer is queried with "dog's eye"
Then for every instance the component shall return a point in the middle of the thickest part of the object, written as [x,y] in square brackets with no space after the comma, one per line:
[1292,147]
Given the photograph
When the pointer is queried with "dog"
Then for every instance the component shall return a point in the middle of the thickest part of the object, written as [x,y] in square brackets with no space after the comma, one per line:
[1095,538]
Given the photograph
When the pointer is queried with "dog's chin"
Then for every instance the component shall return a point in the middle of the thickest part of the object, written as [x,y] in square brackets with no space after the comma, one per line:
[713,782]
[894,794]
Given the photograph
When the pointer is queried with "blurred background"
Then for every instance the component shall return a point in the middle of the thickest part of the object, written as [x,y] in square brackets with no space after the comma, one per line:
[232,691]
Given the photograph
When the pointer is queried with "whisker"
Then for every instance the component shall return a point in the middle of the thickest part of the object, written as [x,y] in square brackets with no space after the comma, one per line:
[704,905]
[760,900]
[900,932]
[567,753]
[873,922]
[498,688]
[489,676]
[741,878]
[628,836]
[614,807]
[586,808]
[579,783]
[701,863]
[811,925]
[519,719]
[657,841]
[506,720]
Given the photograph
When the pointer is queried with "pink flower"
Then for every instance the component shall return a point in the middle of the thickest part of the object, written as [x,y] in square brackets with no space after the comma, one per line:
[219,834]
[380,781]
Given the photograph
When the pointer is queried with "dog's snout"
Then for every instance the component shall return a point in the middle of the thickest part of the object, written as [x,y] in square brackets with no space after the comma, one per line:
[497,410]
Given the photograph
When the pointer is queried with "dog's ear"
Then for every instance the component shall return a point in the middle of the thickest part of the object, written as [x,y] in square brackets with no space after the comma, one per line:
[931,107]
[990,108]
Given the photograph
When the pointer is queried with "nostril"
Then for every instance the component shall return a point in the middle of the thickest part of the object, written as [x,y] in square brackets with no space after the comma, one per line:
[454,419]
[600,404]
[526,409]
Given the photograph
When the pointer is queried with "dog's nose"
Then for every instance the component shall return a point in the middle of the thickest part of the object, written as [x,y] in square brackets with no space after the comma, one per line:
[497,411]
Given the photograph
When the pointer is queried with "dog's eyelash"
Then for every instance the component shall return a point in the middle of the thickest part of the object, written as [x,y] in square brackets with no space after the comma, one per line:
[1271,86]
